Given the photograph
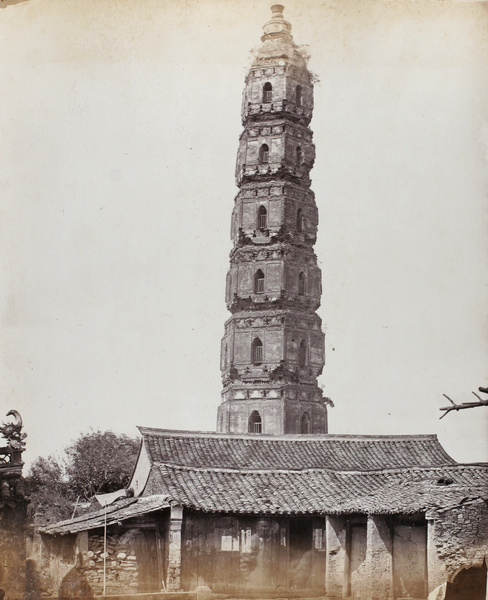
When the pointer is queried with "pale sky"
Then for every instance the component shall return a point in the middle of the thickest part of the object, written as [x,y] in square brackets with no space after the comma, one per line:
[119,127]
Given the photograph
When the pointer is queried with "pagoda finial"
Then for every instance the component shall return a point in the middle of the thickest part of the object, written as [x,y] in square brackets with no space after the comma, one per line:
[277,26]
[277,11]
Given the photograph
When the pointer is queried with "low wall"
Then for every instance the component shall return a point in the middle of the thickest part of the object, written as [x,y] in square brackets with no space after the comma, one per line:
[121,563]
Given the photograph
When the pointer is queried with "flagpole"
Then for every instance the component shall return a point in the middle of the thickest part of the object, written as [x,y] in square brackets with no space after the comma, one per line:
[105,553]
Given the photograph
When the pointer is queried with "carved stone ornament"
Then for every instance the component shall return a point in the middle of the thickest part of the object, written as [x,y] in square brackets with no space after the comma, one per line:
[12,432]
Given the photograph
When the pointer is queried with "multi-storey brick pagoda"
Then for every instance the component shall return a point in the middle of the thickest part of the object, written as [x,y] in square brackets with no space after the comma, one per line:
[273,346]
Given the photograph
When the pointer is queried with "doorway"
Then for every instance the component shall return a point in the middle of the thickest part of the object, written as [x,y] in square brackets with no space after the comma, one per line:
[301,553]
[469,584]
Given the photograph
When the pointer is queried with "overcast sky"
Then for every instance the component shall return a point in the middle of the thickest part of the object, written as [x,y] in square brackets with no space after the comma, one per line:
[119,128]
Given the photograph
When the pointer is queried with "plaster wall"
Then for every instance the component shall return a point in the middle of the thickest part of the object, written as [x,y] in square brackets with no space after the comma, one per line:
[378,584]
[337,560]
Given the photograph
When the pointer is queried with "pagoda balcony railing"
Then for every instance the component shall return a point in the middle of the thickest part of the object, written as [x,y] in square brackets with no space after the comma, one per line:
[273,300]
[253,378]
[272,169]
[273,234]
[278,107]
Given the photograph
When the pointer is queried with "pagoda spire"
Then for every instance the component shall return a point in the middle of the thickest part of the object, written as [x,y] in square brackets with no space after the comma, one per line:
[277,26]
[273,346]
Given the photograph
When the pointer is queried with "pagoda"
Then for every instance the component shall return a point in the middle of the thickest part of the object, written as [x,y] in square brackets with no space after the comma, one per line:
[273,347]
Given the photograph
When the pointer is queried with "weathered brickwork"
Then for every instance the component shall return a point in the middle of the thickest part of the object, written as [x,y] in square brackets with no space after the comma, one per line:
[461,536]
[273,347]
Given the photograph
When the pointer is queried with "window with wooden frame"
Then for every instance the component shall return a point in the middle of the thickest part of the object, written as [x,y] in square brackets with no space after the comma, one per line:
[264,154]
[267,92]
[257,352]
[259,282]
[255,423]
[262,217]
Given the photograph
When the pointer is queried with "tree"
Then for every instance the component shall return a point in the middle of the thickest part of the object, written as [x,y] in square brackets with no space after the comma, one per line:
[99,463]
[95,463]
[50,499]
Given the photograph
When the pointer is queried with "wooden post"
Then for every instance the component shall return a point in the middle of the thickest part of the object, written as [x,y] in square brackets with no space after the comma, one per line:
[82,543]
[174,554]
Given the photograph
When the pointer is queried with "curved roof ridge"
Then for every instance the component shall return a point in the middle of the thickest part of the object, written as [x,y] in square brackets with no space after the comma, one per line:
[334,471]
[283,437]
[292,452]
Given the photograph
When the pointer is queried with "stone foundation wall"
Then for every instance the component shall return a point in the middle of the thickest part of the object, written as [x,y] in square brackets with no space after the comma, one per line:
[58,557]
[121,565]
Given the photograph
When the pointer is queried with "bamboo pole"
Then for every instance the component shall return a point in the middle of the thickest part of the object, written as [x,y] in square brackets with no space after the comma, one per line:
[105,553]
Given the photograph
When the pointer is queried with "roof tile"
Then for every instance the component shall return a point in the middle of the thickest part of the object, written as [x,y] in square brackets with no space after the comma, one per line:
[308,474]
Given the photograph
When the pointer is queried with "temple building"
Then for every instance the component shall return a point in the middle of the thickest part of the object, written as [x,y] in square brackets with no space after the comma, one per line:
[271,505]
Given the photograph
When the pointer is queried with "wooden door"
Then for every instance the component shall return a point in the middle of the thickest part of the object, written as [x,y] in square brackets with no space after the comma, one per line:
[147,562]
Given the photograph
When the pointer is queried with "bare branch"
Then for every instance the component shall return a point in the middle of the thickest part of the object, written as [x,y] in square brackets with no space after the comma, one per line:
[451,401]
[464,405]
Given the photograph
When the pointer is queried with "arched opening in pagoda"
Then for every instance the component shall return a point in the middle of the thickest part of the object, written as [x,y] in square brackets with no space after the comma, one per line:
[267,92]
[257,352]
[255,423]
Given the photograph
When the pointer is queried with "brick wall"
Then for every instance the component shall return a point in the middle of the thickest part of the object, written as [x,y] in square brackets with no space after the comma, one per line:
[461,536]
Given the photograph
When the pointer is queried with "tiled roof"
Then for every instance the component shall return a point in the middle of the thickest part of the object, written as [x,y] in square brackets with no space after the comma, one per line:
[320,490]
[119,511]
[342,452]
[307,474]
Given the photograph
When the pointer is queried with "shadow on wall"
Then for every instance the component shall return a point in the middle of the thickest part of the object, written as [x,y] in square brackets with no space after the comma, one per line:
[75,585]
[33,585]
[469,584]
